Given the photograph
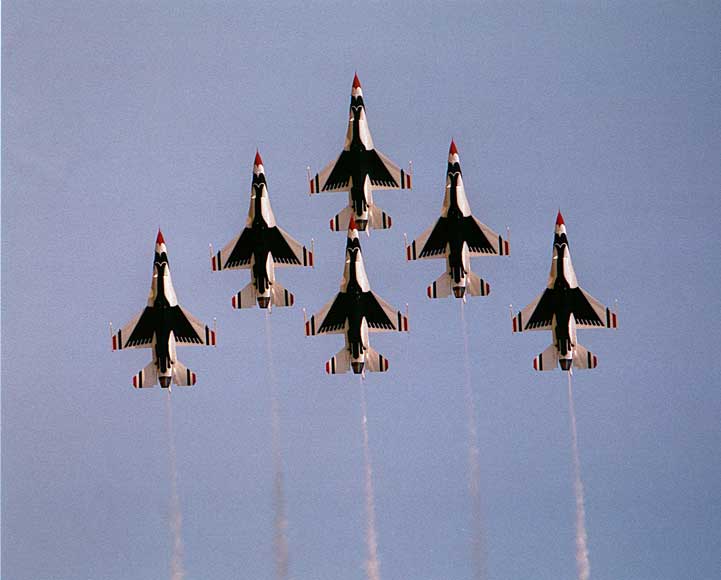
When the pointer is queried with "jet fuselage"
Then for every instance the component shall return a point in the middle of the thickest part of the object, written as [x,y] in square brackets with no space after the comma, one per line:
[164,341]
[563,280]
[357,333]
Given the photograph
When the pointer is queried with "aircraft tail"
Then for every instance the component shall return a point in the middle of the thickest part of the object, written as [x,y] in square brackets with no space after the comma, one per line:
[476,286]
[280,296]
[147,377]
[375,362]
[379,220]
[340,363]
[547,360]
[182,375]
[245,298]
[441,288]
[584,358]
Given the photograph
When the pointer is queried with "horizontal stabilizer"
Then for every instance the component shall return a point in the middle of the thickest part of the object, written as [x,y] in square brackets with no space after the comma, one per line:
[339,223]
[547,360]
[375,362]
[245,298]
[182,375]
[583,358]
[477,286]
[146,378]
[441,288]
[379,220]
[280,296]
[339,364]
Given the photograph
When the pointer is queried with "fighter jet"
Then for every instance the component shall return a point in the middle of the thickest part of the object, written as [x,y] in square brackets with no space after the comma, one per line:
[359,169]
[261,247]
[457,236]
[162,325]
[563,307]
[356,311]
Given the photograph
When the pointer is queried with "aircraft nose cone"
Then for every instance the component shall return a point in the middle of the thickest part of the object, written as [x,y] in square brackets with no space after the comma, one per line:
[459,291]
[357,367]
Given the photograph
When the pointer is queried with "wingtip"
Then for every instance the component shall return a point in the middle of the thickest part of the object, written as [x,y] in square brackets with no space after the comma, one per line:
[453,150]
[258,160]
[559,219]
[160,239]
[356,82]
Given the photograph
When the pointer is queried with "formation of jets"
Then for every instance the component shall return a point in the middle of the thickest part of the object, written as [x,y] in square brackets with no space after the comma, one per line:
[356,311]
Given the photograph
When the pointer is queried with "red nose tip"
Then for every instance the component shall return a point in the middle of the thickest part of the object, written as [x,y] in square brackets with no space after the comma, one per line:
[258,160]
[453,150]
[559,219]
[356,82]
[159,239]
[351,224]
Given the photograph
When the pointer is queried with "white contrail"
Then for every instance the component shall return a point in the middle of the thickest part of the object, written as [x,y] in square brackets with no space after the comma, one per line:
[474,465]
[280,522]
[582,563]
[372,563]
[177,572]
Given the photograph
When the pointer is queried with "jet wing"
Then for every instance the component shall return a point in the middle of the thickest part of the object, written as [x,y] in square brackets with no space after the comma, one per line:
[383,173]
[430,244]
[331,319]
[287,251]
[138,333]
[433,243]
[538,315]
[381,316]
[398,177]
[590,313]
[333,177]
[482,240]
[236,254]
[188,330]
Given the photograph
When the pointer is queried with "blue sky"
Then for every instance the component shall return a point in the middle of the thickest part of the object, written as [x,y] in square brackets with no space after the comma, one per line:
[120,117]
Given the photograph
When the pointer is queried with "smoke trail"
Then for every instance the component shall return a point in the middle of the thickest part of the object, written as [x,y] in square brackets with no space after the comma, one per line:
[280,522]
[177,572]
[372,564]
[582,563]
[474,465]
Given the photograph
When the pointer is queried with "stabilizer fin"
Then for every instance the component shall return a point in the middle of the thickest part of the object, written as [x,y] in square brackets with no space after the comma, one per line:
[441,288]
[280,296]
[182,375]
[375,362]
[547,360]
[246,298]
[477,286]
[338,364]
[584,358]
[146,378]
[379,220]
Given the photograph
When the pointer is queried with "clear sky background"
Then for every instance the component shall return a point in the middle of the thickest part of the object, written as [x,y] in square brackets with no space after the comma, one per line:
[119,117]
